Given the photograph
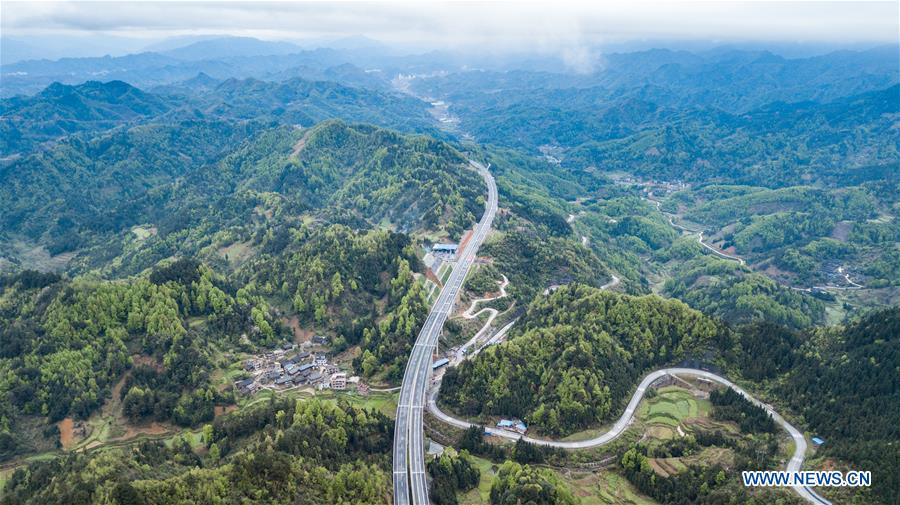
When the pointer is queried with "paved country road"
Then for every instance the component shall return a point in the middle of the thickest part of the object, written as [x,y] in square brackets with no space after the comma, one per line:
[410,482]
[795,463]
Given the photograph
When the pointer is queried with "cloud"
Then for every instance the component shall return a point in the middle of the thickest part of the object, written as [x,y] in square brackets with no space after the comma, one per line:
[570,29]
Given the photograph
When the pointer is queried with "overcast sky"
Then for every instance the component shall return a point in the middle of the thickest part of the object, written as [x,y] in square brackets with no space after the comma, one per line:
[552,26]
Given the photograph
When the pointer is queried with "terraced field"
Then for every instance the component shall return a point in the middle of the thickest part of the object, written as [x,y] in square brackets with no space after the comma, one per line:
[593,488]
[672,409]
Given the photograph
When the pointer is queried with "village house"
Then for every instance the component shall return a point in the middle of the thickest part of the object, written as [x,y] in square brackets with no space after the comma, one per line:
[339,381]
[246,386]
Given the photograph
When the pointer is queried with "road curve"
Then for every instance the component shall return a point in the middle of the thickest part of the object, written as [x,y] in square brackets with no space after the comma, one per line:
[612,283]
[699,235]
[795,463]
[852,285]
[470,314]
[410,482]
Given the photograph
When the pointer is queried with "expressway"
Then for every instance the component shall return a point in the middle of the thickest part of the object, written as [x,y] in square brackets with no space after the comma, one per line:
[794,465]
[410,483]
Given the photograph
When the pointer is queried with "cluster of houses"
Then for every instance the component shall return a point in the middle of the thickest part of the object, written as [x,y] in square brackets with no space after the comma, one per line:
[282,369]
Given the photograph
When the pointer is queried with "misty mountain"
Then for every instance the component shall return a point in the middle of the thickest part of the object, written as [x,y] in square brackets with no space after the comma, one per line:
[850,139]
[733,80]
[149,69]
[229,47]
[302,102]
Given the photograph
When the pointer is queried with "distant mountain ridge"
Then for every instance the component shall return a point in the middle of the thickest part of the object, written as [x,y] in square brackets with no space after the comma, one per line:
[61,110]
[149,69]
[852,138]
[227,47]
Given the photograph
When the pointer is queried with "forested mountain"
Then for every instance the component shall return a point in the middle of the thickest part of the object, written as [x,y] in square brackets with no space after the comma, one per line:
[74,188]
[65,343]
[779,144]
[844,383]
[304,102]
[575,356]
[803,235]
[274,452]
[234,195]
[60,110]
[738,116]
[774,145]
[359,285]
[175,180]
[149,69]
[723,289]
[742,80]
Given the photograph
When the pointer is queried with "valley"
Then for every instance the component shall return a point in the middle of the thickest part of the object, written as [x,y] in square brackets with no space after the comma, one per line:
[239,270]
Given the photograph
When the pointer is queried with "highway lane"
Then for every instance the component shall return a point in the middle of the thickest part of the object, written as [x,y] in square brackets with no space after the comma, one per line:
[410,481]
[794,464]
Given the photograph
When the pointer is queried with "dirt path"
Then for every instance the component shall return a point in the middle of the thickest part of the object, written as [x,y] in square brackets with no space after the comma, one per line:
[66,433]
[298,147]
[463,243]
[433,278]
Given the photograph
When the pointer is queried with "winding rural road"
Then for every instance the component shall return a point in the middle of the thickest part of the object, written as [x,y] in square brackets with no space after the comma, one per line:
[699,235]
[409,476]
[795,464]
[410,482]
[840,270]
[470,314]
